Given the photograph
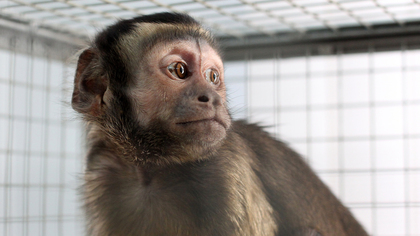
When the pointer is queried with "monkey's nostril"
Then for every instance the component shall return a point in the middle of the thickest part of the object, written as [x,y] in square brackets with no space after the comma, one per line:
[203,98]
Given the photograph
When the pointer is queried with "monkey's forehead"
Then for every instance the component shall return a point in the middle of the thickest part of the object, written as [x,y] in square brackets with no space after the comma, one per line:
[147,35]
[144,35]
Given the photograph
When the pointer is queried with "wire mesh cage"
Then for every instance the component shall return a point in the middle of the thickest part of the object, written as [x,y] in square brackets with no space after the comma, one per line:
[40,141]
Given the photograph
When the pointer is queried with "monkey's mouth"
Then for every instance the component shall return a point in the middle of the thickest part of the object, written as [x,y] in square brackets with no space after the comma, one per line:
[192,122]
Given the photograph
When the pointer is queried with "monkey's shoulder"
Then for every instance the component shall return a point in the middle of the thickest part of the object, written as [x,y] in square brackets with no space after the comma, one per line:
[273,158]
[253,133]
[263,144]
[280,169]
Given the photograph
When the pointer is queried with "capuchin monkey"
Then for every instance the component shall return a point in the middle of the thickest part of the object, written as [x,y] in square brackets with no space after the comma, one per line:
[166,159]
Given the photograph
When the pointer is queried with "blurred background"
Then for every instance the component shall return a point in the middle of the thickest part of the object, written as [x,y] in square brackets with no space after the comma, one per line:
[338,80]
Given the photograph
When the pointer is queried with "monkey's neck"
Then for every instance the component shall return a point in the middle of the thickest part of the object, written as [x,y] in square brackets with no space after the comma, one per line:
[149,148]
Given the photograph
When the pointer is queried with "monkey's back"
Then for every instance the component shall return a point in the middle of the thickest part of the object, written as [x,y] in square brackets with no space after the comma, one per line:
[299,198]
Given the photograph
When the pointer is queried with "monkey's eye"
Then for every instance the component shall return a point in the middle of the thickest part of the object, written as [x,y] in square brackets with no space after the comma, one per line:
[212,76]
[178,69]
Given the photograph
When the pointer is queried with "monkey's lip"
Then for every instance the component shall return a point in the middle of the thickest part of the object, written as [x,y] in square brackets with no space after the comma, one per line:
[214,119]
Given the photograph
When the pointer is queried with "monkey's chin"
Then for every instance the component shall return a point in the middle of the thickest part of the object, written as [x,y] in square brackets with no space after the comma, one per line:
[205,131]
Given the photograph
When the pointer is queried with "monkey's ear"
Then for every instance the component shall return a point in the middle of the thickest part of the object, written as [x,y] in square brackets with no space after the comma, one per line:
[89,85]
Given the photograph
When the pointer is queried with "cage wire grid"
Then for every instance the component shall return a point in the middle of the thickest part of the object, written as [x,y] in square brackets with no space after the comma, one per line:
[228,18]
[40,142]
[353,114]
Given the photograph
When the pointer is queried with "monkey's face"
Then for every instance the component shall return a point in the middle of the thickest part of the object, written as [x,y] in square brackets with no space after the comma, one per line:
[180,86]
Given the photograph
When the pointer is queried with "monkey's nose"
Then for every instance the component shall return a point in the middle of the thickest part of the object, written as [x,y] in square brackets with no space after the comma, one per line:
[203,98]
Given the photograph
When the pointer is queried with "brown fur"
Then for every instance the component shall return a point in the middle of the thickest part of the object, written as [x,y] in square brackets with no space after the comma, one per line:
[164,157]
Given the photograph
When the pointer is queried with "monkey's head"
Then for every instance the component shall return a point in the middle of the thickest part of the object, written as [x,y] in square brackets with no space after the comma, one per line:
[154,87]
